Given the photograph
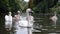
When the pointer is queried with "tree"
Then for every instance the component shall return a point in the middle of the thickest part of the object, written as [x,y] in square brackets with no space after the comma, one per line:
[43,5]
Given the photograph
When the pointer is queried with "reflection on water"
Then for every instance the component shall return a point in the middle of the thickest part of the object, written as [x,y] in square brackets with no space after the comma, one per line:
[46,33]
[52,33]
[49,28]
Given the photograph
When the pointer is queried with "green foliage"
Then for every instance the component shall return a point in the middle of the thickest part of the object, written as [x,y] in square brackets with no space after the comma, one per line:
[43,5]
[38,5]
[9,5]
[56,8]
[22,4]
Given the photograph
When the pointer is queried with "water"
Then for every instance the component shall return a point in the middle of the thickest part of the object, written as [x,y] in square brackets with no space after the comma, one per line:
[49,28]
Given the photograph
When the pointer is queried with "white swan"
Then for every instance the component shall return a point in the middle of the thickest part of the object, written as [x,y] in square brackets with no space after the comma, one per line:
[54,19]
[8,21]
[30,20]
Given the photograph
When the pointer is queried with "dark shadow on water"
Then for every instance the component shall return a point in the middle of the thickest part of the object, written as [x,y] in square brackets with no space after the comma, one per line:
[2,29]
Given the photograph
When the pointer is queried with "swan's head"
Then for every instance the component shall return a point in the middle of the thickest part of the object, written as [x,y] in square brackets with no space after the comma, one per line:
[55,13]
[10,13]
[18,12]
[29,10]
